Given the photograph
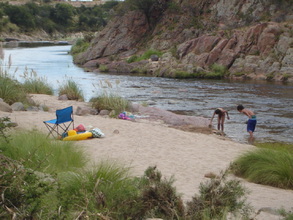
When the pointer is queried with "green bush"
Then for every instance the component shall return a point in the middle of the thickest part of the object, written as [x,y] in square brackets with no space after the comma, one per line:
[104,68]
[218,197]
[266,166]
[80,46]
[218,72]
[23,192]
[5,123]
[158,197]
[72,90]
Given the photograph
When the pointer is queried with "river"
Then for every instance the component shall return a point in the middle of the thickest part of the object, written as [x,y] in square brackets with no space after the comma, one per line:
[272,102]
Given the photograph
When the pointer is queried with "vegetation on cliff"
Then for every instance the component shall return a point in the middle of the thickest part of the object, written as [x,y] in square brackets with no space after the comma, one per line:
[59,18]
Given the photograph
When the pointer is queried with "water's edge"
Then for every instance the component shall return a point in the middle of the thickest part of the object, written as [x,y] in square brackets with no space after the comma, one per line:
[272,102]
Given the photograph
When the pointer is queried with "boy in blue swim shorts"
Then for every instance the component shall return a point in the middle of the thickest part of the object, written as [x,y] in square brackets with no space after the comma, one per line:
[251,123]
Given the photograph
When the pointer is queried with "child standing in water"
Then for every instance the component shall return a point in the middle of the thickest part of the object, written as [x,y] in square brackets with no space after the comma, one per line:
[251,123]
[221,118]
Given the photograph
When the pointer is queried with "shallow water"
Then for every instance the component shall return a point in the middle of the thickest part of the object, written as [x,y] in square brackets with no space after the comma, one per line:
[272,102]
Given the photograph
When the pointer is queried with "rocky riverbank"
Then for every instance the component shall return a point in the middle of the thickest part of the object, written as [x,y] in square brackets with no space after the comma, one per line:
[192,39]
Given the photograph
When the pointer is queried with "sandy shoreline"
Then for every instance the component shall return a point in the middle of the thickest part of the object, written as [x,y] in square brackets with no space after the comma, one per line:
[185,155]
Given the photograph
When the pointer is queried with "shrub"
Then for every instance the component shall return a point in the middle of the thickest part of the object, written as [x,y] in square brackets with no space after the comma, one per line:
[158,196]
[104,68]
[4,124]
[285,77]
[218,197]
[270,76]
[80,46]
[266,166]
[218,72]
[72,90]
[23,192]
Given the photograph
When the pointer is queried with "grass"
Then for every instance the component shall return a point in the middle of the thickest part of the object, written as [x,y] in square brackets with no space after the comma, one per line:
[72,90]
[276,146]
[271,164]
[105,187]
[217,72]
[36,85]
[110,101]
[41,154]
[11,91]
[147,55]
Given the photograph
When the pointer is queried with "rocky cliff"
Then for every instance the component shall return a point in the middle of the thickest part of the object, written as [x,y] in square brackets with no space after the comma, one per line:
[250,38]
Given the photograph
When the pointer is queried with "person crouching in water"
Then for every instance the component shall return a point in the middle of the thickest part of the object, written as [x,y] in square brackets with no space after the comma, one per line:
[251,123]
[221,118]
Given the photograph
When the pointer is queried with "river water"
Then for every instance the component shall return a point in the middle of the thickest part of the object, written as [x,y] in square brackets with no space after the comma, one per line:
[272,102]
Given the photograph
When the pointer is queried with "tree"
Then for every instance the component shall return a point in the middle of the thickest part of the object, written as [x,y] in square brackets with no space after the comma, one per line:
[21,16]
[63,14]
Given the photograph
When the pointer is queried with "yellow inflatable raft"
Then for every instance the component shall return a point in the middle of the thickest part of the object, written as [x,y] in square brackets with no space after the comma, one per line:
[77,137]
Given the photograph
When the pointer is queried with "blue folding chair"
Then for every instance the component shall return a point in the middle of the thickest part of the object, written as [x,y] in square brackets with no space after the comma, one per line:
[62,123]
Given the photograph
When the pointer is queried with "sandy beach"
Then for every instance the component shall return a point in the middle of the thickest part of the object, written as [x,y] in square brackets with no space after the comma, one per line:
[187,156]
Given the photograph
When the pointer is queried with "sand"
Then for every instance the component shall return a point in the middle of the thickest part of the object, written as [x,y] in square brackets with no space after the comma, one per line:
[187,156]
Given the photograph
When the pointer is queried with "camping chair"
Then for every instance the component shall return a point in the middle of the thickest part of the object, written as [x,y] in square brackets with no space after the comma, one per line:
[64,118]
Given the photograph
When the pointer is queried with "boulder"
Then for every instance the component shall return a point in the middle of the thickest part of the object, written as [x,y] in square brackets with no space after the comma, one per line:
[4,107]
[85,111]
[104,112]
[154,57]
[18,106]
[63,97]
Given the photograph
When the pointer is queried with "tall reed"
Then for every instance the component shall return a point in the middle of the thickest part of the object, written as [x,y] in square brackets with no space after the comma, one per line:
[10,89]
[35,84]
[108,99]
[72,90]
